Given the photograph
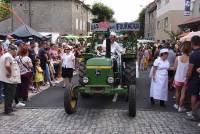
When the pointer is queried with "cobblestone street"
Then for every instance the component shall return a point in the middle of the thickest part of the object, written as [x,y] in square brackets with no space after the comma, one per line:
[95,121]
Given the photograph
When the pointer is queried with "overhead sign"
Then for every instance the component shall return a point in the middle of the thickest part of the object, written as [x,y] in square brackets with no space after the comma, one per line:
[187,7]
[117,27]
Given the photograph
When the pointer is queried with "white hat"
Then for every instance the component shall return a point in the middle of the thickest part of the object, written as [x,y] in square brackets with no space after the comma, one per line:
[164,50]
[113,34]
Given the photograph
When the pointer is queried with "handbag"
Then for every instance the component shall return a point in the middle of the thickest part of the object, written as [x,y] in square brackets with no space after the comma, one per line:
[29,74]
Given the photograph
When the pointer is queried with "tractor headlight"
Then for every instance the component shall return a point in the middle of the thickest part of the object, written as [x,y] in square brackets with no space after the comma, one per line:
[110,80]
[85,80]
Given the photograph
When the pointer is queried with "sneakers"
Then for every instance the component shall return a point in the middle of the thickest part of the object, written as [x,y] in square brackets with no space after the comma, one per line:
[181,109]
[176,106]
[20,104]
[189,113]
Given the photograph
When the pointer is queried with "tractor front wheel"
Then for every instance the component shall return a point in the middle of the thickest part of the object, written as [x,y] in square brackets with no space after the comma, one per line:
[70,100]
[132,100]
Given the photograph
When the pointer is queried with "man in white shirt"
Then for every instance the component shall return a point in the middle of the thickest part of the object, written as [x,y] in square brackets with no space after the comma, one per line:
[10,76]
[115,47]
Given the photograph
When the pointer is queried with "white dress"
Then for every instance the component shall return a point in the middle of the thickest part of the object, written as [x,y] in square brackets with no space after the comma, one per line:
[159,87]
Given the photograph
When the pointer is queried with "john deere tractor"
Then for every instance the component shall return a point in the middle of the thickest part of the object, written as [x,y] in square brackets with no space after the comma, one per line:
[106,75]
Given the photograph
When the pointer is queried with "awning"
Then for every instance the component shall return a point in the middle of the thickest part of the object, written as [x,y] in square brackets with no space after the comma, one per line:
[25,31]
[191,21]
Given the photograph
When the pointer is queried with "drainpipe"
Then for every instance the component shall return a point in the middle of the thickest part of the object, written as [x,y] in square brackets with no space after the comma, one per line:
[29,13]
[12,17]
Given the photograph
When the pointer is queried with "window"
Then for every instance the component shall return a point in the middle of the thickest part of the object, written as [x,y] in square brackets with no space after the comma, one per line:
[84,25]
[199,7]
[77,7]
[166,22]
[158,25]
[159,4]
[76,24]
[81,24]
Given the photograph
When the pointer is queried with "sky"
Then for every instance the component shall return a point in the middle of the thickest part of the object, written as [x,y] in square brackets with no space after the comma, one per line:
[125,10]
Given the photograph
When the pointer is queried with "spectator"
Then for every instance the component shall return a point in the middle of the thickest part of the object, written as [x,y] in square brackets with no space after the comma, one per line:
[10,75]
[159,82]
[20,44]
[32,56]
[146,58]
[55,59]
[156,54]
[8,41]
[68,64]
[181,67]
[44,61]
[171,59]
[38,75]
[1,83]
[25,65]
[193,76]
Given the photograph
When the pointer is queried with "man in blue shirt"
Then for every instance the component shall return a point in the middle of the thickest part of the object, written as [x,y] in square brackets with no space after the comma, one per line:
[193,76]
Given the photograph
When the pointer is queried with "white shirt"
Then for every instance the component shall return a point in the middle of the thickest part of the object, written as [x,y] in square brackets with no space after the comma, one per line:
[15,71]
[68,60]
[115,47]
[181,71]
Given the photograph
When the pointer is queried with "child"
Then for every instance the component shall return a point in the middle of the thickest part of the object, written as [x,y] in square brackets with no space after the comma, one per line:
[38,75]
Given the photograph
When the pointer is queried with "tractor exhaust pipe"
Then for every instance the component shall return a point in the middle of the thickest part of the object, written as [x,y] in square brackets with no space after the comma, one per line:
[108,45]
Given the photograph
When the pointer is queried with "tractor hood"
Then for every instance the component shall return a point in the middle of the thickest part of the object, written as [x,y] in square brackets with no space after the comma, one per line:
[100,61]
[98,70]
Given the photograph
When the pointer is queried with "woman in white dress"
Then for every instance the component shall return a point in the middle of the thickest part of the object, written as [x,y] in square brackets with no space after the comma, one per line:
[159,82]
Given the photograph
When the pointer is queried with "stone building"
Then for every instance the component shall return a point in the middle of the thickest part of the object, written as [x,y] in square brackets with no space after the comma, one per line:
[170,13]
[193,23]
[150,21]
[63,16]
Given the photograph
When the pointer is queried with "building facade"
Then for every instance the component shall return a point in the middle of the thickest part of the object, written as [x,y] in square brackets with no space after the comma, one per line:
[150,21]
[63,16]
[170,13]
[193,23]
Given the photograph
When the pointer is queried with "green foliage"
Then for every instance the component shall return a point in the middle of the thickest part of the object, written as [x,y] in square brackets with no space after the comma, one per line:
[4,13]
[103,13]
[141,19]
[172,35]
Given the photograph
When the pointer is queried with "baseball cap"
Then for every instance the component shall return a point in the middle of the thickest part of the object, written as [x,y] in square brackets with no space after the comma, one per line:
[19,42]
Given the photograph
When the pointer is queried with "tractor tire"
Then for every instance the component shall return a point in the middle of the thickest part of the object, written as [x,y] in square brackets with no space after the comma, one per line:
[132,100]
[70,101]
[82,72]
[85,96]
[130,73]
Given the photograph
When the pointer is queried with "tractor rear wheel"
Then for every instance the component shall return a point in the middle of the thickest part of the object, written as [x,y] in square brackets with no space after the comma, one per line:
[70,100]
[130,72]
[132,100]
[82,72]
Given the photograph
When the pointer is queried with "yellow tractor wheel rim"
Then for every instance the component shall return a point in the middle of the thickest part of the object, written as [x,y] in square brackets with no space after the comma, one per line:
[73,103]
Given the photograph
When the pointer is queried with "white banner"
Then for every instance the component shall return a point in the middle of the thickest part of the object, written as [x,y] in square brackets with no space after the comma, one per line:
[117,27]
[187,7]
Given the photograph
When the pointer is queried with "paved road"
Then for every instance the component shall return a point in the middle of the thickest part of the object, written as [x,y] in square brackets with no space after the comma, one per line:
[45,114]
[53,98]
[95,121]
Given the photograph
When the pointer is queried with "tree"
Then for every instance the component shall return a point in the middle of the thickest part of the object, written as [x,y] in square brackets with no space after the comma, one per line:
[141,20]
[102,12]
[4,13]
[172,35]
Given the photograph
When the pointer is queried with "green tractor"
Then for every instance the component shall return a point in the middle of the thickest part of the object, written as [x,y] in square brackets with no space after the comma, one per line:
[105,75]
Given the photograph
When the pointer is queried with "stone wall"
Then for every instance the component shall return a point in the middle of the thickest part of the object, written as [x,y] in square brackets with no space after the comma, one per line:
[5,26]
[52,15]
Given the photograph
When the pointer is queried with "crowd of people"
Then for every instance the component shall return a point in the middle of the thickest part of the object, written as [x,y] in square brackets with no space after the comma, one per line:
[26,66]
[175,66]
